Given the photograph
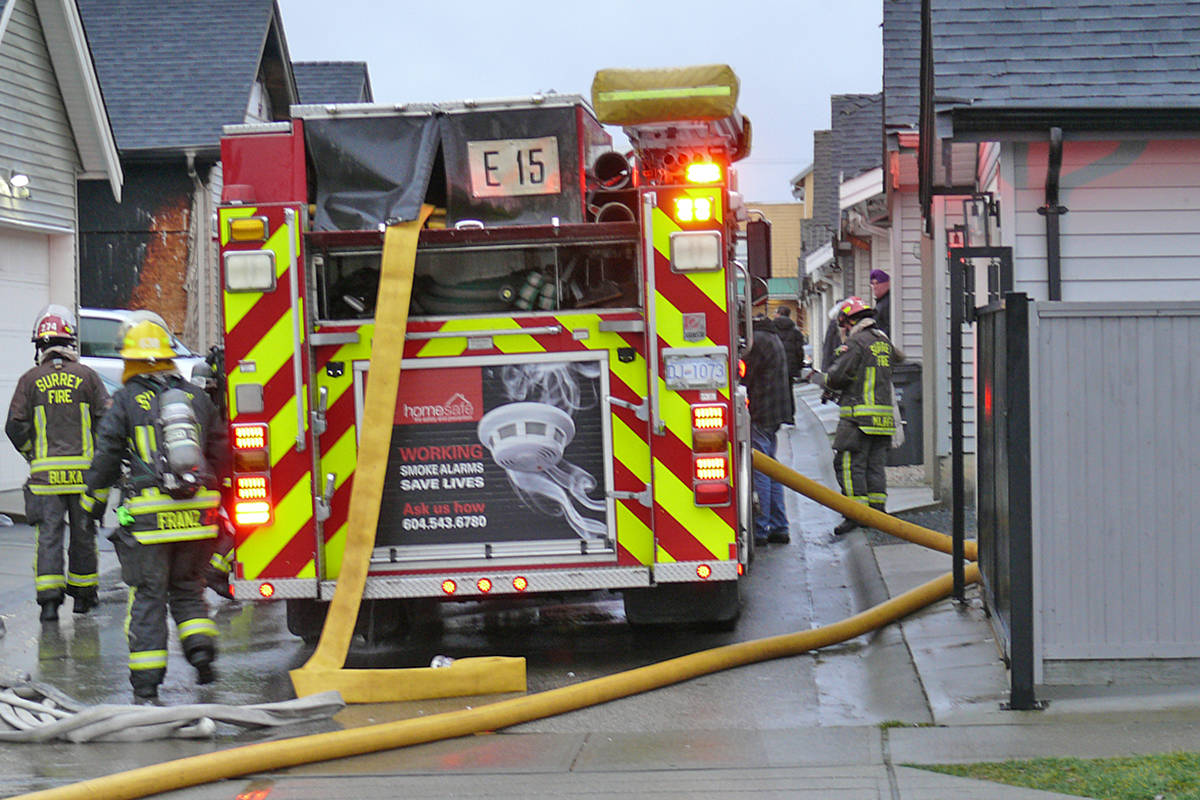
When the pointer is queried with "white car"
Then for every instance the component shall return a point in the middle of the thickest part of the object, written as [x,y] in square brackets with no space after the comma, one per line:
[100,350]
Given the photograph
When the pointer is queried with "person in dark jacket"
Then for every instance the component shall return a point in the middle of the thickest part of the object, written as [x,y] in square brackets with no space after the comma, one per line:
[792,339]
[167,526]
[881,289]
[55,411]
[862,372]
[772,404]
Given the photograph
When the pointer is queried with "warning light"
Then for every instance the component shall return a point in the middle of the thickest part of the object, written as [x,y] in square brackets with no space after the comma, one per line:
[708,417]
[520,584]
[248,229]
[693,209]
[711,468]
[484,585]
[266,590]
[704,172]
[703,571]
[449,586]
[741,569]
[252,488]
[249,437]
[741,368]
[251,513]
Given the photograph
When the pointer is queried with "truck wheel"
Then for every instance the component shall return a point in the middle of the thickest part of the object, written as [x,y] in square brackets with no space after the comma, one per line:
[716,605]
[305,618]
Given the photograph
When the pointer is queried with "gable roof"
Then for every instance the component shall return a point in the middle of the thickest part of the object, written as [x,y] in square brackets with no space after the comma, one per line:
[175,71]
[320,82]
[857,133]
[75,73]
[901,64]
[1090,55]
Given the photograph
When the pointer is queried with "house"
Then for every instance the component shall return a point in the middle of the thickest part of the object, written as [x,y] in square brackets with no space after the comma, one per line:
[54,131]
[320,82]
[1065,138]
[174,73]
[842,241]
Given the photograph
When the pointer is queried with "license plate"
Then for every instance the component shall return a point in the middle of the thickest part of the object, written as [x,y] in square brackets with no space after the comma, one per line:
[696,372]
[514,167]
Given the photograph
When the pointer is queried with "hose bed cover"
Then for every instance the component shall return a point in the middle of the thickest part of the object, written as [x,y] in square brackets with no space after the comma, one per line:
[637,96]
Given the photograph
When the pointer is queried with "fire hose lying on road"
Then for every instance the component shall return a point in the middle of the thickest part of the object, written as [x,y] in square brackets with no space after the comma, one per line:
[34,712]
[273,755]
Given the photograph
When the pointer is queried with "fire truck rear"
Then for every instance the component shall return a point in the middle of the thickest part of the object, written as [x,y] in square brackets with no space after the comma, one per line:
[568,416]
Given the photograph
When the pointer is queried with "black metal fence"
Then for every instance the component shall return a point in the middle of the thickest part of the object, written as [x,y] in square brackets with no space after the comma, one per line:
[1003,481]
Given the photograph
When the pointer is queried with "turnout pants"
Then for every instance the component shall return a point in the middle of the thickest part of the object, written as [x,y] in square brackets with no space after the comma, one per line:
[56,514]
[859,461]
[162,577]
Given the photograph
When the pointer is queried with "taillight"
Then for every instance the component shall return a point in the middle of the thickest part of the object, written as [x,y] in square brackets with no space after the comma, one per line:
[710,455]
[520,584]
[251,475]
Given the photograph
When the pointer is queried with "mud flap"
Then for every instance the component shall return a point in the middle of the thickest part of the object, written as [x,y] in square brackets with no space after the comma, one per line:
[717,604]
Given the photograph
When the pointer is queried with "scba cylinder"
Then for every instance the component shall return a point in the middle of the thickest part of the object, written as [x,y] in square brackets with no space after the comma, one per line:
[181,437]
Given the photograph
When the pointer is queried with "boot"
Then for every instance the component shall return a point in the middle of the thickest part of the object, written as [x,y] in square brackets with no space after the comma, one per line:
[84,603]
[203,662]
[844,527]
[49,611]
[146,696]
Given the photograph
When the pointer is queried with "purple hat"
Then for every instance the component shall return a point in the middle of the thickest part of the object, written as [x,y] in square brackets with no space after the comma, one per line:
[879,276]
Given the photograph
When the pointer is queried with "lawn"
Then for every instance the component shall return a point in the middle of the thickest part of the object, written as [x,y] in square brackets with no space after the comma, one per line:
[1172,776]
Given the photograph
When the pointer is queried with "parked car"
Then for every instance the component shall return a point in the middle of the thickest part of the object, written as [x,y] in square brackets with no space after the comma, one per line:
[100,350]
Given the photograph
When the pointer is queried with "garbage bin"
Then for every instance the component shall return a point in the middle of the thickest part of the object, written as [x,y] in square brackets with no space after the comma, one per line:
[906,383]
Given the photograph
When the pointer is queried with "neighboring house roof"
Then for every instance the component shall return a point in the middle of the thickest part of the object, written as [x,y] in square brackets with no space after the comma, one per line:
[1019,55]
[901,64]
[857,133]
[77,82]
[319,82]
[175,71]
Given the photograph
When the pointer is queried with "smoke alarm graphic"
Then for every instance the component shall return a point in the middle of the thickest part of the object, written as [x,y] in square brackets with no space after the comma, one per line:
[527,440]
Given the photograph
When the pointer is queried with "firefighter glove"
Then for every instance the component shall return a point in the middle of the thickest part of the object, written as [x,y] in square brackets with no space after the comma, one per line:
[124,518]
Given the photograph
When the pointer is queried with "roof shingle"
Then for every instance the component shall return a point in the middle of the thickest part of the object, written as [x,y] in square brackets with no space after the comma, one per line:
[319,82]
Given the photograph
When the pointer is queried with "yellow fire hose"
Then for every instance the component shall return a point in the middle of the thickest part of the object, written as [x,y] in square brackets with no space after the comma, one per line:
[857,511]
[267,756]
[324,669]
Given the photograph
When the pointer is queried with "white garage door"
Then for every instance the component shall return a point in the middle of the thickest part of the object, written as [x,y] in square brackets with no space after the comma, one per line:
[25,278]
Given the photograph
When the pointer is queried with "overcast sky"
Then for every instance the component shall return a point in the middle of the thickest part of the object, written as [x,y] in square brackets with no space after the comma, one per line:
[790,55]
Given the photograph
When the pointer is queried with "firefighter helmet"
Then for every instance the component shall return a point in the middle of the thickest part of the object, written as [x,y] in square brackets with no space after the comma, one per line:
[852,309]
[55,325]
[144,337]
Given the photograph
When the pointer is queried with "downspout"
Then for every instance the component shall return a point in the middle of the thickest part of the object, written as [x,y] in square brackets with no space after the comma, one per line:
[1052,211]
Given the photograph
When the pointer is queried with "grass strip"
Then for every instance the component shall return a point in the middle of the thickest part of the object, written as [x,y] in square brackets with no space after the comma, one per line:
[1169,776]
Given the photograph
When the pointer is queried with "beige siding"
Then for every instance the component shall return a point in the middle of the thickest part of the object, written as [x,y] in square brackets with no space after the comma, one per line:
[35,137]
[785,236]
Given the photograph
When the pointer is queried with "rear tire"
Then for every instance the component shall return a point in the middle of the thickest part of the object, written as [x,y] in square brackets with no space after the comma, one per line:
[378,620]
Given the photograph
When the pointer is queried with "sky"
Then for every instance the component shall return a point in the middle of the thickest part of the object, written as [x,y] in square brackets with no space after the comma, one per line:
[790,56]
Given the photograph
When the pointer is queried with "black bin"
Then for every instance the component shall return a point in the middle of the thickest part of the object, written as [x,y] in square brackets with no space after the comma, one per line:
[906,382]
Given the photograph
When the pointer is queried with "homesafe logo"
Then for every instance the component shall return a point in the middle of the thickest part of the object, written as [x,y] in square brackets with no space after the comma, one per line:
[454,395]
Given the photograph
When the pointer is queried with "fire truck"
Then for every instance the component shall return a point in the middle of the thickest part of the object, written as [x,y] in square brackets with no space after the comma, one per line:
[568,417]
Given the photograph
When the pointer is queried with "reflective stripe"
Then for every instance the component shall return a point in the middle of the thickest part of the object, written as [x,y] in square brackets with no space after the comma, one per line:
[152,501]
[200,625]
[663,94]
[61,462]
[177,535]
[869,387]
[848,480]
[45,582]
[147,659]
[144,439]
[220,562]
[39,426]
[83,580]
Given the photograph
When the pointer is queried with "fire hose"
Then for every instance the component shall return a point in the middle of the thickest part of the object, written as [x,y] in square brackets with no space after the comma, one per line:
[273,755]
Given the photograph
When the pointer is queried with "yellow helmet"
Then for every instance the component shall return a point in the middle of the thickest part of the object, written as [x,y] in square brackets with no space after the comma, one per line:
[144,337]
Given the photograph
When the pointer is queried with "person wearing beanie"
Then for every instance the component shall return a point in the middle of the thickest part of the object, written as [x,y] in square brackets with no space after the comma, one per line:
[881,288]
[792,339]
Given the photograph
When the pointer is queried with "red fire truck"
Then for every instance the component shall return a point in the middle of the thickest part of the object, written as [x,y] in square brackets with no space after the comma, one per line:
[568,416]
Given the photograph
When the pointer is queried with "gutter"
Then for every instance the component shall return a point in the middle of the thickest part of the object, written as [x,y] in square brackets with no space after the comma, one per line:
[1052,211]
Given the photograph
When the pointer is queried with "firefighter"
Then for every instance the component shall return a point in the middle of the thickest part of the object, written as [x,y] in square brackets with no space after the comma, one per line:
[168,521]
[55,411]
[862,373]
